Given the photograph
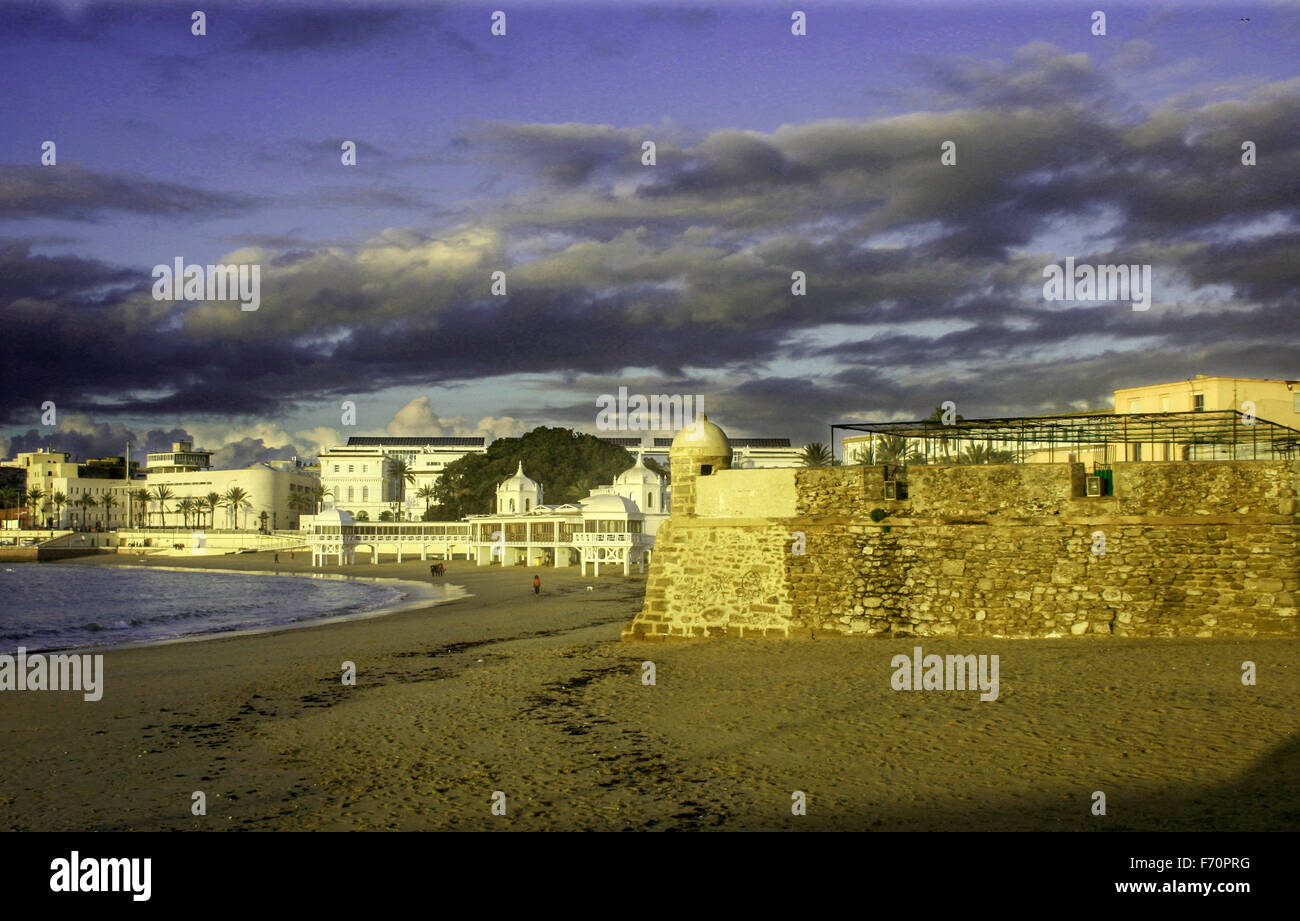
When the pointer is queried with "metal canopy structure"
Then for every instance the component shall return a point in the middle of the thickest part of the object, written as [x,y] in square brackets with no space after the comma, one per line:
[1220,435]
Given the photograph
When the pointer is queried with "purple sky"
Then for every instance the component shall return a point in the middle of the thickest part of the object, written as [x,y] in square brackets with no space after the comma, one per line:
[521,153]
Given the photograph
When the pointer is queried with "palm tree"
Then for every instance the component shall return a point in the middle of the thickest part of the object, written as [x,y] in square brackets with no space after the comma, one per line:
[34,496]
[213,501]
[162,494]
[865,455]
[8,498]
[427,493]
[937,416]
[399,472]
[59,499]
[141,498]
[893,450]
[318,494]
[108,502]
[816,454]
[236,498]
[185,506]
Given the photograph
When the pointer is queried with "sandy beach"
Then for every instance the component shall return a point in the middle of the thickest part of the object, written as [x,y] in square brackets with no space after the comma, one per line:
[535,696]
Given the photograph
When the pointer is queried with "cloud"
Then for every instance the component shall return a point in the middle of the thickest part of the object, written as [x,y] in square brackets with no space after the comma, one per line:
[72,192]
[924,281]
[418,418]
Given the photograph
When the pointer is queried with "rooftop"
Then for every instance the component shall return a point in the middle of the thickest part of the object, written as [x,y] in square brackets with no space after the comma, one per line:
[416,441]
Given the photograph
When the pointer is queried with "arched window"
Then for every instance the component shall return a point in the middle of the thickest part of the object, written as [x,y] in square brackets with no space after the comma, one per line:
[512,505]
[526,504]
[650,500]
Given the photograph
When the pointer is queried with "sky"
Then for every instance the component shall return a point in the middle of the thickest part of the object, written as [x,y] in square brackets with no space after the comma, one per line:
[522,153]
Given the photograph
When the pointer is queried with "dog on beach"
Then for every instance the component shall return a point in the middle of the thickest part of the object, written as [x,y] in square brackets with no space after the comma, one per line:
[436,569]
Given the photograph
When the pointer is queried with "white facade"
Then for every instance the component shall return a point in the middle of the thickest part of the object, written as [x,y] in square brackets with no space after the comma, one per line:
[356,475]
[748,453]
[54,473]
[268,490]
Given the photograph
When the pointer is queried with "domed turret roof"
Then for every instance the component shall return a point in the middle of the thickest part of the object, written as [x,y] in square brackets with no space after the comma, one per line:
[639,475]
[609,503]
[702,435]
[518,482]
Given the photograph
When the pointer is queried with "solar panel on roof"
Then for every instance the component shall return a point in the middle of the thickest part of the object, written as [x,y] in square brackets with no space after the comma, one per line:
[441,441]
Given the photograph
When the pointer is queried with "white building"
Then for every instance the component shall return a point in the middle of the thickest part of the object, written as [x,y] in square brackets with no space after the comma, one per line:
[614,526]
[356,476]
[748,452]
[267,489]
[95,493]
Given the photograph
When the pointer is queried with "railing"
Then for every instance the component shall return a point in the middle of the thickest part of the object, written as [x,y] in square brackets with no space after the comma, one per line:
[607,537]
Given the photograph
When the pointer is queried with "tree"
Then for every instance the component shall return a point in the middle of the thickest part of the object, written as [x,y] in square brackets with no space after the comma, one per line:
[816,454]
[213,501]
[34,496]
[399,473]
[140,499]
[428,494]
[385,515]
[263,519]
[8,498]
[318,494]
[362,515]
[893,450]
[108,502]
[236,497]
[162,494]
[59,499]
[565,462]
[937,416]
[85,502]
[186,506]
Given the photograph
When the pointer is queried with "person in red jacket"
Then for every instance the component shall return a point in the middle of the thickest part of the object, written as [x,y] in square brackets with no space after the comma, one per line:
[537,585]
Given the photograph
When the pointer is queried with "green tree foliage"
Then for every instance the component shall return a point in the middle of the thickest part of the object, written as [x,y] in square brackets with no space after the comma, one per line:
[566,463]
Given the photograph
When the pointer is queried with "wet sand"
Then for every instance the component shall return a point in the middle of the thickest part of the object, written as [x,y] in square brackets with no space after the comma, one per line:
[535,697]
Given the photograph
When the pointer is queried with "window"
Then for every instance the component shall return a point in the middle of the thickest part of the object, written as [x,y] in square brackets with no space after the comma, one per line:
[1164,403]
[365,468]
[527,503]
[336,468]
[1198,402]
[349,493]
[512,505]
[1135,406]
[365,493]
[1295,406]
[350,470]
[1137,452]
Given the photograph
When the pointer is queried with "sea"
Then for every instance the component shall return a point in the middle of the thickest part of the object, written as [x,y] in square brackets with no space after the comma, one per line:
[44,607]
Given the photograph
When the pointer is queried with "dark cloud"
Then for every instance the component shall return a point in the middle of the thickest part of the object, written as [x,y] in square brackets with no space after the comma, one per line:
[72,192]
[924,281]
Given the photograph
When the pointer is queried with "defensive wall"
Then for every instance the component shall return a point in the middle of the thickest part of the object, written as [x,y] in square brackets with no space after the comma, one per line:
[1015,550]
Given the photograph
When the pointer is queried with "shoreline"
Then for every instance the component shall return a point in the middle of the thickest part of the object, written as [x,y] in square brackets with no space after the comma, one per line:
[414,595]
[536,696]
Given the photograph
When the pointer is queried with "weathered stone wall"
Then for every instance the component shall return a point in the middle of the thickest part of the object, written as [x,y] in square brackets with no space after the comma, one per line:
[1191,549]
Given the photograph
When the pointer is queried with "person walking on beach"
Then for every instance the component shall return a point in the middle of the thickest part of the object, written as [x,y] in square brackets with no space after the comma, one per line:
[537,585]
[277,558]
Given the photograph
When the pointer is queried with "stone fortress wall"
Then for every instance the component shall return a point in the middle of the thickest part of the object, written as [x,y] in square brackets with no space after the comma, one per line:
[1203,548]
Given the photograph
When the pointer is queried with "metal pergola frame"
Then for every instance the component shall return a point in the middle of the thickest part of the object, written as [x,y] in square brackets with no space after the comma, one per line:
[1106,432]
